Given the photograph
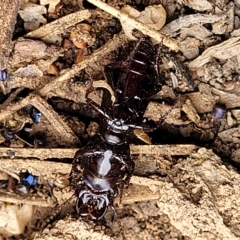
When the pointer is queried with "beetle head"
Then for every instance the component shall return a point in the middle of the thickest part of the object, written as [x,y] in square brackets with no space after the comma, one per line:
[93,204]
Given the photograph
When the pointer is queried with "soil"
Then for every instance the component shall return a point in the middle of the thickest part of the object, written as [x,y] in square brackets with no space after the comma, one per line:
[186,182]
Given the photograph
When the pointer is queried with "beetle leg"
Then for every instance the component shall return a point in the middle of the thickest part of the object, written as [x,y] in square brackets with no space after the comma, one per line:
[133,52]
[96,107]
[114,211]
[128,164]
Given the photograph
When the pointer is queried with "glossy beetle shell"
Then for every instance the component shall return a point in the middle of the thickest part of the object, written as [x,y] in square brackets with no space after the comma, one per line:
[104,167]
[99,171]
[134,80]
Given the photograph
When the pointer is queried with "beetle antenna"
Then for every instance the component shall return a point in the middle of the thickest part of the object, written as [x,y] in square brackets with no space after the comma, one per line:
[164,116]
[45,222]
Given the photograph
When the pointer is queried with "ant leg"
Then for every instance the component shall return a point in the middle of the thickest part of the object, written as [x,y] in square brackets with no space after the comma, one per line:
[99,84]
[130,58]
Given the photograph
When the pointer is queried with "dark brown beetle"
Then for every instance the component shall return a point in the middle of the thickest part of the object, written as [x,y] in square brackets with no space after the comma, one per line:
[99,171]
[133,80]
[104,167]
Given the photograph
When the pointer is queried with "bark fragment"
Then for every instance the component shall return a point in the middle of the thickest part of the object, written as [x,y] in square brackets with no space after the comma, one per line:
[204,192]
[8,15]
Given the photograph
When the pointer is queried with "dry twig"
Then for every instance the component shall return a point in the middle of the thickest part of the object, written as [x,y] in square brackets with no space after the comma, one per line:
[173,27]
[167,41]
[60,153]
[58,124]
[222,51]
[18,199]
[139,190]
[167,150]
[11,97]
[13,107]
[35,100]
[60,25]
[107,48]
[56,121]
[8,15]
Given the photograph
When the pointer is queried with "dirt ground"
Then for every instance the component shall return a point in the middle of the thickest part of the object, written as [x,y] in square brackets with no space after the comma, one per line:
[186,183]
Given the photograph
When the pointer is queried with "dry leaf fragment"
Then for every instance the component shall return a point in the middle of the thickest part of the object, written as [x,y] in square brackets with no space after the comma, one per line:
[52,4]
[32,14]
[67,44]
[28,48]
[224,50]
[30,70]
[173,27]
[79,57]
[203,101]
[190,111]
[81,35]
[199,5]
[53,70]
[14,218]
[190,47]
[197,31]
[152,16]
[123,17]
[220,26]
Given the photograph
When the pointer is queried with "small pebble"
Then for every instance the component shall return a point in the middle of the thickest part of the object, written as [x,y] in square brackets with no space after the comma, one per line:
[229,85]
[218,112]
[3,176]
[11,153]
[230,121]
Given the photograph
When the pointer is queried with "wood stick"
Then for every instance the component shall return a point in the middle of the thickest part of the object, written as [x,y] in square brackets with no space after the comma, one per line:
[60,25]
[56,121]
[167,41]
[18,199]
[58,124]
[8,15]
[61,153]
[107,48]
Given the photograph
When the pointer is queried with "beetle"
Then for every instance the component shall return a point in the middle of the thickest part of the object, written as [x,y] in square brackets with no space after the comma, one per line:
[134,80]
[104,167]
[99,172]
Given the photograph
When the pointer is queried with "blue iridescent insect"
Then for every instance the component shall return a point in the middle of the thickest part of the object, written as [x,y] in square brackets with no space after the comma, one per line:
[36,116]
[218,112]
[3,75]
[34,113]
[28,178]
